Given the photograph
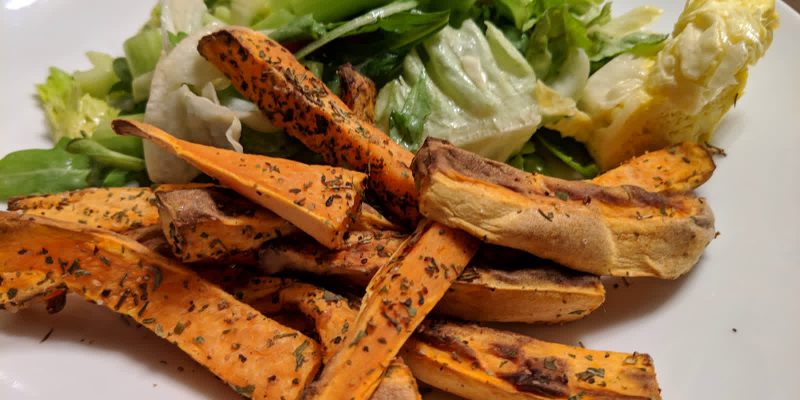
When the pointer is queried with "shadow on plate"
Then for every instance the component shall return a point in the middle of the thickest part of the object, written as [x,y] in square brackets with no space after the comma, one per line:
[85,324]
[626,299]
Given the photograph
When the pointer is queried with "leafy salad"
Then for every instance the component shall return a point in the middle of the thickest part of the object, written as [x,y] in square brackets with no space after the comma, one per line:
[497,77]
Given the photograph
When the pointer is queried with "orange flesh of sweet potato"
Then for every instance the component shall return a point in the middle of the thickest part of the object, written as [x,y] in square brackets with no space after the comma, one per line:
[332,315]
[678,169]
[398,298]
[208,324]
[213,223]
[481,363]
[321,201]
[295,100]
[358,92]
[115,209]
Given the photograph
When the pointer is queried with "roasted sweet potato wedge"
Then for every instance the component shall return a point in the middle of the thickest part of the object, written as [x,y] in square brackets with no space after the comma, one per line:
[295,100]
[207,323]
[332,315]
[115,209]
[358,92]
[622,231]
[398,298]
[212,223]
[677,169]
[481,363]
[321,201]
[533,293]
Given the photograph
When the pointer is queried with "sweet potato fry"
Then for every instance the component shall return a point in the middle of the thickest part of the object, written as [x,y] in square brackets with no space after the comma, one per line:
[400,295]
[623,231]
[115,209]
[321,201]
[295,100]
[208,324]
[213,223]
[677,169]
[481,363]
[534,293]
[358,92]
[332,316]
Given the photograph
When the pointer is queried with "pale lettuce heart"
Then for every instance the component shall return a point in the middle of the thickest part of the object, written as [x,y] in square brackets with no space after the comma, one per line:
[481,91]
[177,108]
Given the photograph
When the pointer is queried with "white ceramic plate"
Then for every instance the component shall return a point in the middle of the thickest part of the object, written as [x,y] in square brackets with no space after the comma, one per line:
[728,330]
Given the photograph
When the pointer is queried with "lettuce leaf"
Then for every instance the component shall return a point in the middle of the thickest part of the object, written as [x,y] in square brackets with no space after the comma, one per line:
[184,102]
[481,91]
[70,112]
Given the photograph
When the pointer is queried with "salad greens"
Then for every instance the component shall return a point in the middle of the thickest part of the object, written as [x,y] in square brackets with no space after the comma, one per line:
[485,74]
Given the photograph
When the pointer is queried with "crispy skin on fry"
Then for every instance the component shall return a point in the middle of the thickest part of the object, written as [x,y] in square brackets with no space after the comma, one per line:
[358,92]
[213,223]
[623,231]
[295,100]
[676,169]
[115,209]
[481,363]
[205,322]
[532,292]
[398,298]
[369,219]
[535,294]
[357,261]
[321,201]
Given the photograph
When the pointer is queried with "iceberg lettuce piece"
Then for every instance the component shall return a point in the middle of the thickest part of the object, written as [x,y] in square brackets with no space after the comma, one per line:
[70,112]
[98,80]
[481,91]
[639,103]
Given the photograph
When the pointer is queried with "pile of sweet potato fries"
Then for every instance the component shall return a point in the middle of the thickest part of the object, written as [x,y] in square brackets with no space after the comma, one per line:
[460,241]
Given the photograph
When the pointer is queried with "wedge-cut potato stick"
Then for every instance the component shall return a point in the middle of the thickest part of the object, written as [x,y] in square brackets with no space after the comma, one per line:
[481,363]
[357,261]
[397,299]
[207,323]
[115,209]
[622,231]
[358,92]
[321,201]
[332,316]
[211,224]
[534,293]
[295,100]
[680,168]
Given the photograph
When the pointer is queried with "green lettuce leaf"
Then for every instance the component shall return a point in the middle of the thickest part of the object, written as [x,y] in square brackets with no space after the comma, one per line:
[70,112]
[39,171]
